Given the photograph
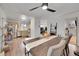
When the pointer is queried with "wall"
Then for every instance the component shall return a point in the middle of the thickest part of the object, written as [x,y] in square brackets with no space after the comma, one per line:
[2,18]
[60,24]
[35,27]
[2,24]
[73,16]
[70,22]
[43,23]
[53,20]
[60,20]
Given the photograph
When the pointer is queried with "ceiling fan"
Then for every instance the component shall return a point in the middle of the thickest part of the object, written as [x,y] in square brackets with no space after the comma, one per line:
[44,7]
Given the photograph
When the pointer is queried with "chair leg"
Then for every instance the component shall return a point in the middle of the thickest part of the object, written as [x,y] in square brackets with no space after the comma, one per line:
[64,52]
[67,51]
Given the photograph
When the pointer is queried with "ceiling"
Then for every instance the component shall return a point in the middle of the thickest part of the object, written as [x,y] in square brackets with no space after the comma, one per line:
[13,11]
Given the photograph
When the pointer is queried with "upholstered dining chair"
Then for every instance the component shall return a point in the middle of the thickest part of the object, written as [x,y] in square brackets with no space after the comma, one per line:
[57,50]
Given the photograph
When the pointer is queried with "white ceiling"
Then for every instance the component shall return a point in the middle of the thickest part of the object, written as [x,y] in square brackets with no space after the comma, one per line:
[15,10]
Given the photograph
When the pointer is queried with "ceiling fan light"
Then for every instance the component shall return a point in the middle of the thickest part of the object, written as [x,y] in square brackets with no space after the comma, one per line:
[23,17]
[44,7]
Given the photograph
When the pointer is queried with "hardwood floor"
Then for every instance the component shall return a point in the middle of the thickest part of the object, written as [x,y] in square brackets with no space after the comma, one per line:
[17,48]
[73,40]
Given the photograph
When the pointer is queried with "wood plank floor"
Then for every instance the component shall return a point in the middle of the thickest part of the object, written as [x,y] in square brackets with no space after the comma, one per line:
[17,48]
[73,40]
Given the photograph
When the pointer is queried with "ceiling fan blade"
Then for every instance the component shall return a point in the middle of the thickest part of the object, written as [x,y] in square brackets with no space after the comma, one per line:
[34,8]
[51,10]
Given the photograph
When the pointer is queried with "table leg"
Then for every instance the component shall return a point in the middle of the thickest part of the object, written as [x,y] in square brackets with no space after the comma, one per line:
[28,53]
[25,51]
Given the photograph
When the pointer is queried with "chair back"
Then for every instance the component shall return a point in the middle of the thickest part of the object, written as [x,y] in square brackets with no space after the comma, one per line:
[57,50]
[69,38]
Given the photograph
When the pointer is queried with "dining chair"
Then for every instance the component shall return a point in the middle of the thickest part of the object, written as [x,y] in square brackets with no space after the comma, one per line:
[67,45]
[57,50]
